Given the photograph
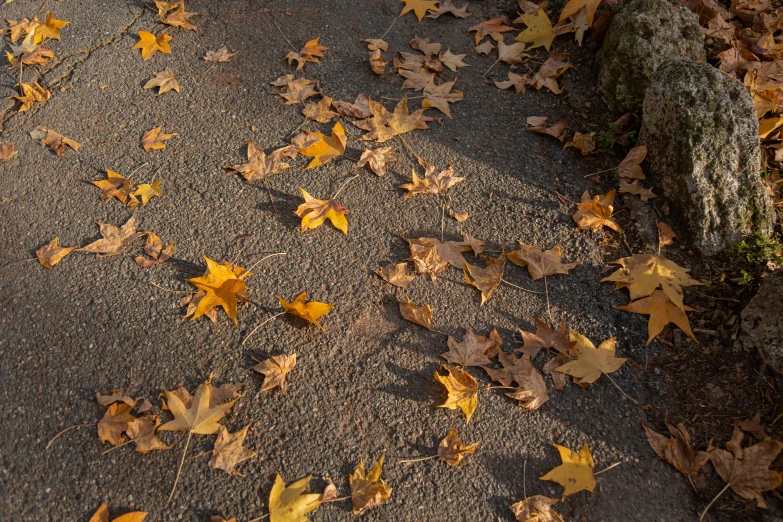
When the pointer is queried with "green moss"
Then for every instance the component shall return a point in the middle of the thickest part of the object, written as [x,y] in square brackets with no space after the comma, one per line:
[760,249]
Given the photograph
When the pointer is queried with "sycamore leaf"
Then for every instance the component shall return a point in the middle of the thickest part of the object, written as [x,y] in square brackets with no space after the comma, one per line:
[320,111]
[395,274]
[421,315]
[485,48]
[596,213]
[115,240]
[164,7]
[666,235]
[367,489]
[637,190]
[153,139]
[415,80]
[433,182]
[228,450]
[746,470]
[377,63]
[531,391]
[573,7]
[512,54]
[146,191]
[677,450]
[451,450]
[28,55]
[545,338]
[453,61]
[431,256]
[539,30]
[511,365]
[492,28]
[31,94]
[630,167]
[591,362]
[116,186]
[537,508]
[643,273]
[142,432]
[52,253]
[275,370]
[424,45]
[154,248]
[486,279]
[462,390]
[327,147]
[558,379]
[439,96]
[102,515]
[446,6]
[50,30]
[550,70]
[517,82]
[376,44]
[201,416]
[662,311]
[224,284]
[260,166]
[575,473]
[311,52]
[584,143]
[383,125]
[376,159]
[419,7]
[150,44]
[540,263]
[315,211]
[21,28]
[220,56]
[471,351]
[309,311]
[538,125]
[54,140]
[180,18]
[291,503]
[114,423]
[7,152]
[296,91]
[165,81]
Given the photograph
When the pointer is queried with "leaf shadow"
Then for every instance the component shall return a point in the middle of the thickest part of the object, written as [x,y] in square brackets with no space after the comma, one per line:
[416,385]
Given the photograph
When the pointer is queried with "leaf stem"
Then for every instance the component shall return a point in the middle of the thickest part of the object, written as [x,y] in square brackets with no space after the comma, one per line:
[259,261]
[179,471]
[408,461]
[490,67]
[519,287]
[599,172]
[548,311]
[260,325]
[332,500]
[66,430]
[343,186]
[285,37]
[262,517]
[722,491]
[389,29]
[607,469]
[621,390]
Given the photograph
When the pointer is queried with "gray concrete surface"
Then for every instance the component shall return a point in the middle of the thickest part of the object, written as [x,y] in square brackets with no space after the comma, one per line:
[365,388]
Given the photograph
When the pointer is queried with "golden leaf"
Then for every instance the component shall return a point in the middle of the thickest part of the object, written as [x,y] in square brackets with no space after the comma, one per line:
[315,211]
[180,18]
[546,338]
[150,44]
[421,315]
[662,311]
[591,362]
[439,96]
[228,450]
[395,274]
[116,186]
[114,423]
[115,240]
[584,143]
[260,166]
[165,81]
[52,253]
[643,273]
[376,159]
[677,450]
[630,167]
[201,416]
[7,152]
[540,263]
[596,213]
[54,140]
[31,94]
[376,44]
[573,7]
[50,30]
[311,52]
[327,147]
[419,7]
[309,311]
[291,503]
[575,473]
[492,28]
[142,432]
[539,30]
[275,370]
[486,279]
[537,508]
[451,450]
[367,489]
[146,191]
[433,182]
[666,235]
[296,91]
[224,284]
[383,125]
[102,515]
[462,390]
[377,63]
[153,139]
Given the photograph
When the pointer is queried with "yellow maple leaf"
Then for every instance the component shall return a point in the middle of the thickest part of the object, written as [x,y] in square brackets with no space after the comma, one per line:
[153,139]
[367,489]
[116,186]
[327,147]
[224,284]
[102,515]
[291,503]
[315,211]
[596,213]
[641,274]
[662,311]
[419,7]
[462,390]
[146,191]
[51,29]
[311,52]
[591,362]
[539,30]
[421,315]
[150,44]
[31,93]
[52,253]
[309,311]
[575,473]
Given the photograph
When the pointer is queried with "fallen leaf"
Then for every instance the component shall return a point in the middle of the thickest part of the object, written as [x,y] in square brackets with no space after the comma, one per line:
[433,182]
[201,416]
[431,256]
[630,167]
[486,279]
[224,284]
[395,274]
[559,380]
[596,213]
[228,450]
[537,508]
[291,503]
[677,450]
[142,432]
[297,91]
[492,28]
[376,44]
[28,55]
[383,125]
[377,63]
[471,351]
[114,240]
[180,18]
[154,248]
[31,94]
[54,140]
[309,311]
[421,315]
[540,263]
[446,6]
[359,109]
[545,338]
[21,28]
[220,56]
[415,80]
[424,45]
[511,365]
[575,473]
[518,83]
[315,211]
[330,491]
[150,44]
[573,7]
[114,423]
[637,190]
[165,81]
[327,147]
[531,389]
[153,139]
[461,217]
[7,152]
[556,130]
[666,235]
[320,111]
[539,32]
[512,54]
[52,253]
[453,61]
[259,166]
[146,191]
[311,52]
[550,70]
[367,489]
[419,7]
[451,450]
[440,96]
[275,370]
[485,48]
[591,362]
[462,390]
[102,515]
[643,273]
[662,311]
[376,159]
[116,186]
[584,143]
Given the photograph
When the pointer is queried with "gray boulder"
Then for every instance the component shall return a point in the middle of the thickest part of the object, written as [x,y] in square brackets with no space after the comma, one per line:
[643,35]
[701,133]
[762,322]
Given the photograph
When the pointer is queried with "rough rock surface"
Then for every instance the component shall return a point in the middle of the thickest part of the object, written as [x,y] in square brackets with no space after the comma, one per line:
[642,36]
[702,135]
[762,322]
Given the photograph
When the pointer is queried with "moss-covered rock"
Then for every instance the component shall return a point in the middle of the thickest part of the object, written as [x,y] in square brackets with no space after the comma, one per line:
[701,132]
[643,35]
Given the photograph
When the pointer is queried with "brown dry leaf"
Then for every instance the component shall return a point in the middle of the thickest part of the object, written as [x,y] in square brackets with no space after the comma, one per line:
[314,212]
[584,143]
[493,28]
[102,515]
[309,311]
[367,489]
[153,139]
[754,427]
[666,235]
[359,109]
[518,83]
[746,470]
[114,423]
[228,450]
[433,182]
[180,18]
[471,351]
[485,48]
[486,279]
[550,70]
[376,44]
[512,54]
[662,311]
[377,63]
[311,52]
[275,370]
[154,248]
[558,379]
[461,217]
[384,125]
[28,55]
[7,152]
[446,6]
[115,240]
[591,362]
[199,414]
[630,167]
[326,148]
[462,390]
[424,45]
[677,450]
[330,491]
[296,91]
[52,253]
[220,56]
[116,186]
[421,315]
[376,159]
[218,518]
[573,7]
[453,61]
[259,166]
[415,80]
[114,396]
[395,274]
[596,213]
[224,284]
[637,190]
[321,111]
[510,365]
[736,60]
[545,338]
[291,503]
[21,28]
[150,44]
[575,473]
[419,7]
[31,94]
[165,81]
[431,256]
[146,191]
[142,432]
[451,450]
[440,96]
[471,243]
[537,508]
[540,263]
[643,273]
[531,389]
[556,130]
[54,140]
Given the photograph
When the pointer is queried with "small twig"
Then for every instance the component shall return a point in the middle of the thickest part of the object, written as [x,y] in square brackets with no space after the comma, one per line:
[137,169]
[260,325]
[418,158]
[8,299]
[599,172]
[14,263]
[519,287]
[438,331]
[405,98]
[199,455]
[548,311]
[284,36]
[333,500]
[262,517]
[524,479]
[776,419]
[621,390]
[66,430]
[343,186]
[607,469]
[259,261]
[179,471]
[490,67]
[722,491]
[299,127]
[442,219]
[389,29]
[498,388]
[208,69]
[408,461]
[118,446]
